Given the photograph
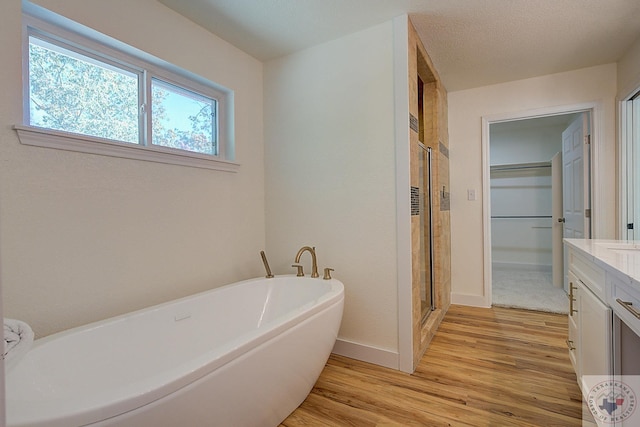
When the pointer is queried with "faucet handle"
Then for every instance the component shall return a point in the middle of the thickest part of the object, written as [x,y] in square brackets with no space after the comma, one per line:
[327,273]
[300,271]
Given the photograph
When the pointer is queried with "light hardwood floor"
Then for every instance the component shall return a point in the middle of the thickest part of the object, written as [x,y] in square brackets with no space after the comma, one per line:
[484,367]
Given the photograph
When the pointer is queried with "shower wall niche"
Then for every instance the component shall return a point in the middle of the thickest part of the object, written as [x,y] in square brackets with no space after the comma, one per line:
[430,220]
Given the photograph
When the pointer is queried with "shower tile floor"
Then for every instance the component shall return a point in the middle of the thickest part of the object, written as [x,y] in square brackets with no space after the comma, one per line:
[527,288]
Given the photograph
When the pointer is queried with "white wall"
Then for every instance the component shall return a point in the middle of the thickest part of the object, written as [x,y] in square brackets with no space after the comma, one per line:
[330,173]
[10,112]
[85,237]
[467,108]
[629,70]
[524,144]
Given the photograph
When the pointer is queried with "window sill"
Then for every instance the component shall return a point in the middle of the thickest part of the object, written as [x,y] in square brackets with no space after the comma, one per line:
[47,138]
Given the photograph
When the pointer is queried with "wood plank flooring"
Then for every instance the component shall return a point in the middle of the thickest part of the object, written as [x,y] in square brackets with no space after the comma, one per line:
[484,367]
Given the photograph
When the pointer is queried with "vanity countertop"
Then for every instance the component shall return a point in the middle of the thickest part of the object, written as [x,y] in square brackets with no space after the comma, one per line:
[621,257]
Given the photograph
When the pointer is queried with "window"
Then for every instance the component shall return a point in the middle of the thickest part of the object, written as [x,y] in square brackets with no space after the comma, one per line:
[183,119]
[84,95]
[72,92]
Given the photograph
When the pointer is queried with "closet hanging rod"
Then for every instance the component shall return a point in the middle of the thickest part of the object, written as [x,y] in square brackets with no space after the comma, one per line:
[520,166]
[520,216]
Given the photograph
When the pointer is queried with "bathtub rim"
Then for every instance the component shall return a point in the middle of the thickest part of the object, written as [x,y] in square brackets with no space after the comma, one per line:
[142,393]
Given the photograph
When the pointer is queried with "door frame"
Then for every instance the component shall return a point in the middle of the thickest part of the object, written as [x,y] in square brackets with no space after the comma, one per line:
[627,198]
[596,126]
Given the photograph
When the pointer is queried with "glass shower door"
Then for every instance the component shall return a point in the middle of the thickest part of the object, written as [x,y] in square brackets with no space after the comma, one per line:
[426,235]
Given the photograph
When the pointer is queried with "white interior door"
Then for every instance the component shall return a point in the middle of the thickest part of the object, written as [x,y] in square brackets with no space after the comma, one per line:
[575,174]
[576,199]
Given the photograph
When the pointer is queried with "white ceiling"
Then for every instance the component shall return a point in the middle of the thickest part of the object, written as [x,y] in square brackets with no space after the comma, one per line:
[471,42]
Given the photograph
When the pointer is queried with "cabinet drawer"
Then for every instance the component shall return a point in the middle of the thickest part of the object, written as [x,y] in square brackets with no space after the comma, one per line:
[588,273]
[625,301]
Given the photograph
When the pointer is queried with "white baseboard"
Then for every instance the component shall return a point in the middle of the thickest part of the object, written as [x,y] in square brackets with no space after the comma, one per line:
[520,266]
[365,353]
[472,300]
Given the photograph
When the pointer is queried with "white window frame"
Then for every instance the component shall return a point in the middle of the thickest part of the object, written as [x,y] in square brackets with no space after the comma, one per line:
[39,21]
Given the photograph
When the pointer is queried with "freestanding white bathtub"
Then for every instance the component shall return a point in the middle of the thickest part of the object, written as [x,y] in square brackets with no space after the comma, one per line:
[246,354]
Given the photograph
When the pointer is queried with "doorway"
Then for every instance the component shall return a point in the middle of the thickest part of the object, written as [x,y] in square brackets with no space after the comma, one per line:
[527,221]
[630,166]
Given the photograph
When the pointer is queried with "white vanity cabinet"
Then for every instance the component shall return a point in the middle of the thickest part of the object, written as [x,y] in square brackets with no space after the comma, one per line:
[589,339]
[604,326]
